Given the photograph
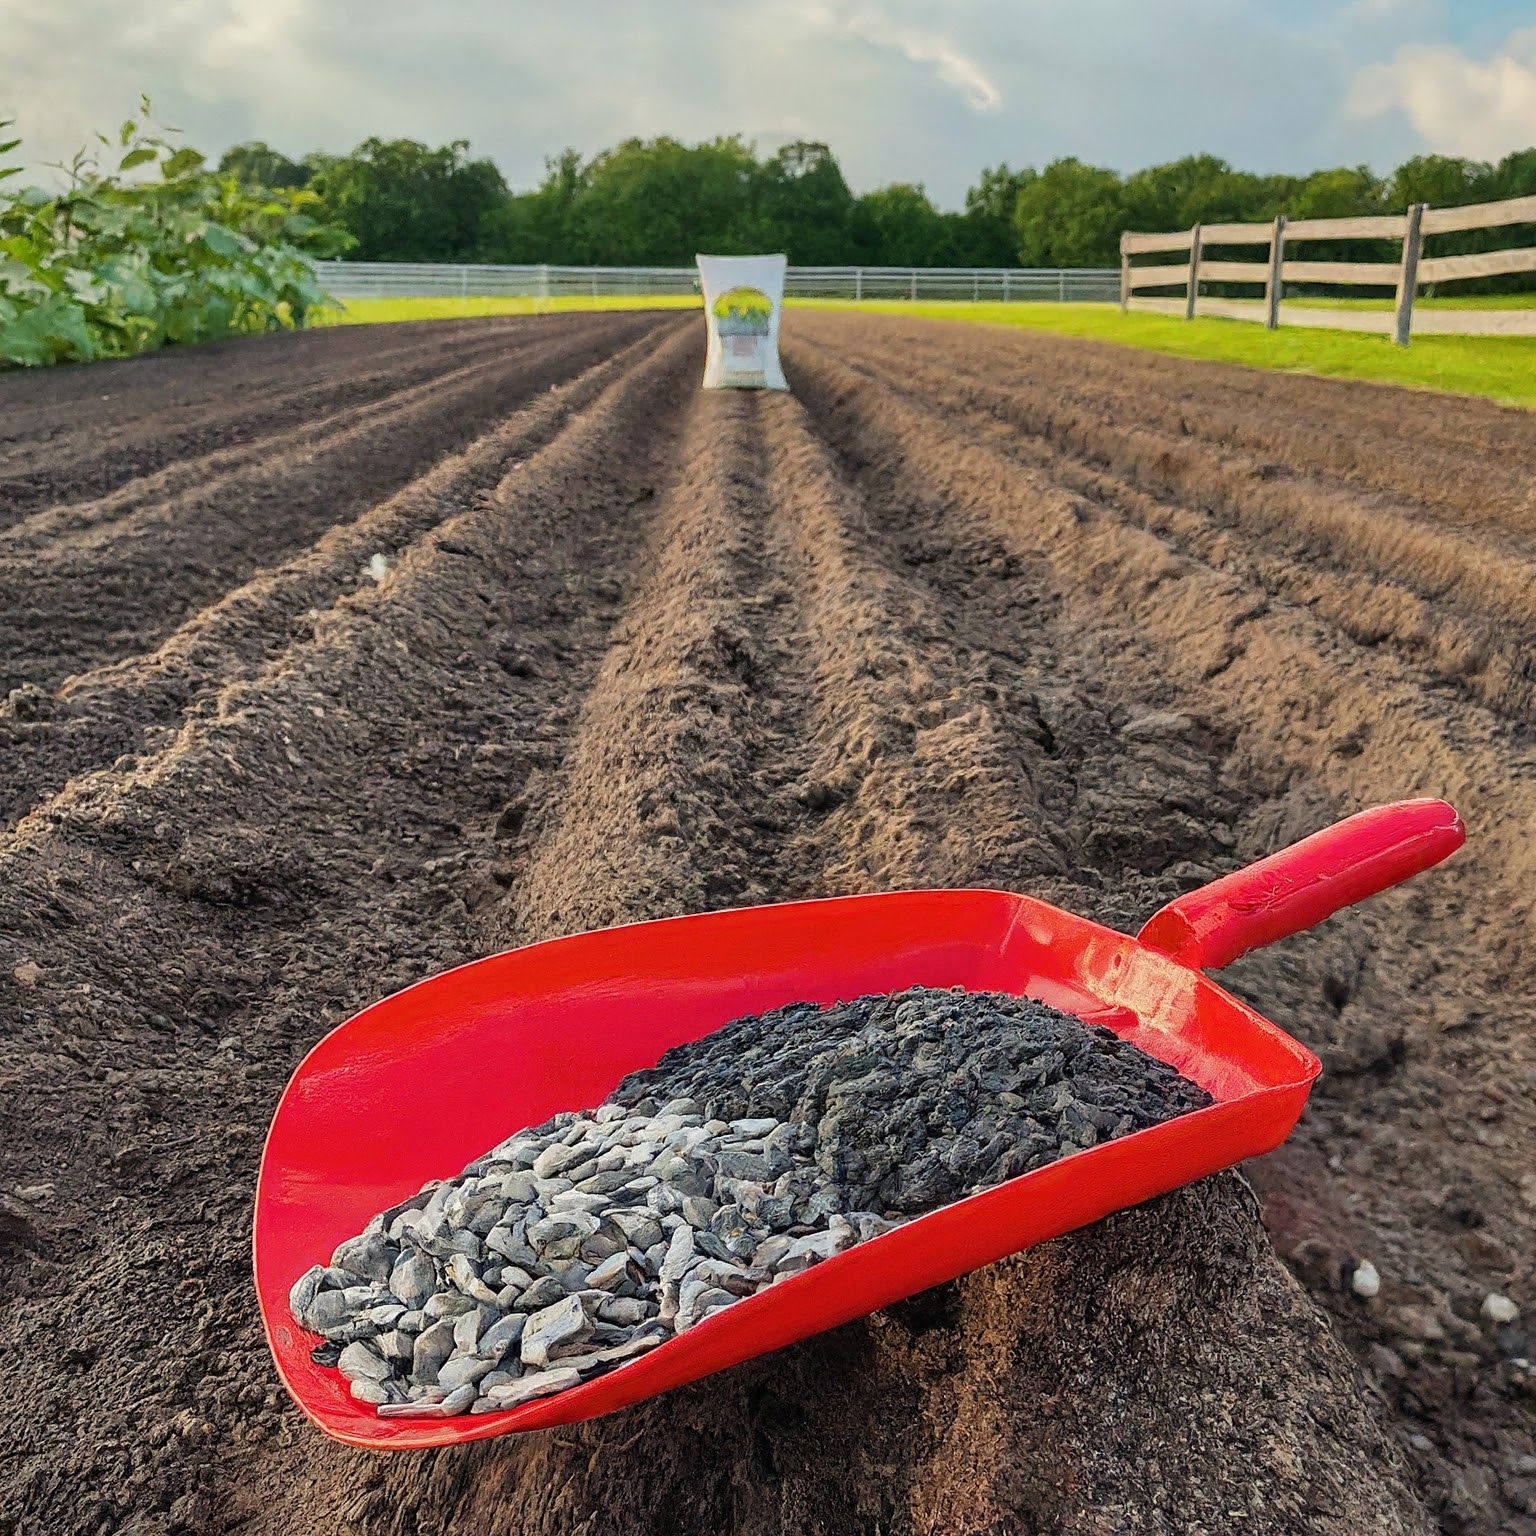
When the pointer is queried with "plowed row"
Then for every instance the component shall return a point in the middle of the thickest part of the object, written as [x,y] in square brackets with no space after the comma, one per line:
[967,607]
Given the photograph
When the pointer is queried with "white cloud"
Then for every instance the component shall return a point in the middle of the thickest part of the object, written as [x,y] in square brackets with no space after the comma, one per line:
[1458,105]
[875,26]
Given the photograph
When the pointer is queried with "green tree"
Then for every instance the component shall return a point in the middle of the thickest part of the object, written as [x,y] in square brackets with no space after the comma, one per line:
[1177,194]
[402,201]
[987,237]
[898,226]
[804,204]
[256,164]
[536,226]
[1445,181]
[1442,181]
[1516,174]
[1201,189]
[1070,215]
[659,202]
[1342,193]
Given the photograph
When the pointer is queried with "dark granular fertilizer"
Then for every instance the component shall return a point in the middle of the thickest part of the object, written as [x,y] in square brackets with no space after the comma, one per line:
[910,1100]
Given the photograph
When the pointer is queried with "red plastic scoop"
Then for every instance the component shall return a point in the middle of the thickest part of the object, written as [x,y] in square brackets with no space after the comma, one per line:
[420,1084]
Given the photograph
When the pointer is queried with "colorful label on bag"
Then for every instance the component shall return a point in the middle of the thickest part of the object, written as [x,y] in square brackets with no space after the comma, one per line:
[742,299]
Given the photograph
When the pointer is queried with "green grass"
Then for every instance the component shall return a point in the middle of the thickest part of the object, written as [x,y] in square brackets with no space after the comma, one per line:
[1499,367]
[377,311]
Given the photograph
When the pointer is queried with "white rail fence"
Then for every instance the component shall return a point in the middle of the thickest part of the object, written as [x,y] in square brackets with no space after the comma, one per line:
[413,280]
[1404,276]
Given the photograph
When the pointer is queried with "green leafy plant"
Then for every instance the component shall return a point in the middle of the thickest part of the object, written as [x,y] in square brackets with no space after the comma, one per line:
[155,250]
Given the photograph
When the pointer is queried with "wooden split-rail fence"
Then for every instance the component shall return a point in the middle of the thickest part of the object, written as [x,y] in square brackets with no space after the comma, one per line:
[1412,270]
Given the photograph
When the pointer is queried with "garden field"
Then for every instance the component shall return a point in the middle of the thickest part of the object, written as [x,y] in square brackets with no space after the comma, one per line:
[332,659]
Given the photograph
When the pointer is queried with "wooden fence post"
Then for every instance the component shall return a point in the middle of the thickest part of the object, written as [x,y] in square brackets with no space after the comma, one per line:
[1276,265]
[1125,277]
[1408,278]
[1193,283]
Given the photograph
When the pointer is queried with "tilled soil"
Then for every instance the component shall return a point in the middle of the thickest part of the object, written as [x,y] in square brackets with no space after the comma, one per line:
[968,606]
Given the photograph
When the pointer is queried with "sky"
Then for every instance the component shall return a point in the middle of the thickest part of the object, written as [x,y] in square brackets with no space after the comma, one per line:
[902,90]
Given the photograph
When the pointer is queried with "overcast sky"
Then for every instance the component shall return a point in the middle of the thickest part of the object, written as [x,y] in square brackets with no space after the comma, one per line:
[901,89]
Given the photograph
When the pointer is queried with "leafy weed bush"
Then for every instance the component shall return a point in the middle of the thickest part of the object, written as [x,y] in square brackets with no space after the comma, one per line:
[119,263]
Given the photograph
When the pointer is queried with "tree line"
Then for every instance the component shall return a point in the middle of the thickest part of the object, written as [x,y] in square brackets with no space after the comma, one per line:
[656,202]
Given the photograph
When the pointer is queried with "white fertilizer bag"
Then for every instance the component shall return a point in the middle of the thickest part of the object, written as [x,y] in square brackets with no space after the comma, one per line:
[742,299]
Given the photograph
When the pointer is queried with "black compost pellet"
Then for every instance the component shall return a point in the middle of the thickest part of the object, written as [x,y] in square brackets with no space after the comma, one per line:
[909,1100]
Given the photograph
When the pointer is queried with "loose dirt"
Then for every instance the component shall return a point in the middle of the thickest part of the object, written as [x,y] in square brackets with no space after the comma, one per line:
[968,606]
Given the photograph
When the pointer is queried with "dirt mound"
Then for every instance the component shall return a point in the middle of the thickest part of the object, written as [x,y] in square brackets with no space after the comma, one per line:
[967,607]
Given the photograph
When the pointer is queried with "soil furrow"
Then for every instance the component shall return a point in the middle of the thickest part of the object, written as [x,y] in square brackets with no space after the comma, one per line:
[662,805]
[1082,747]
[107,592]
[1267,657]
[173,410]
[1380,571]
[925,749]
[98,518]
[130,705]
[1467,460]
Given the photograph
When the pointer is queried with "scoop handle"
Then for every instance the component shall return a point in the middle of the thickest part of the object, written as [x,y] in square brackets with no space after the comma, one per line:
[1301,885]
